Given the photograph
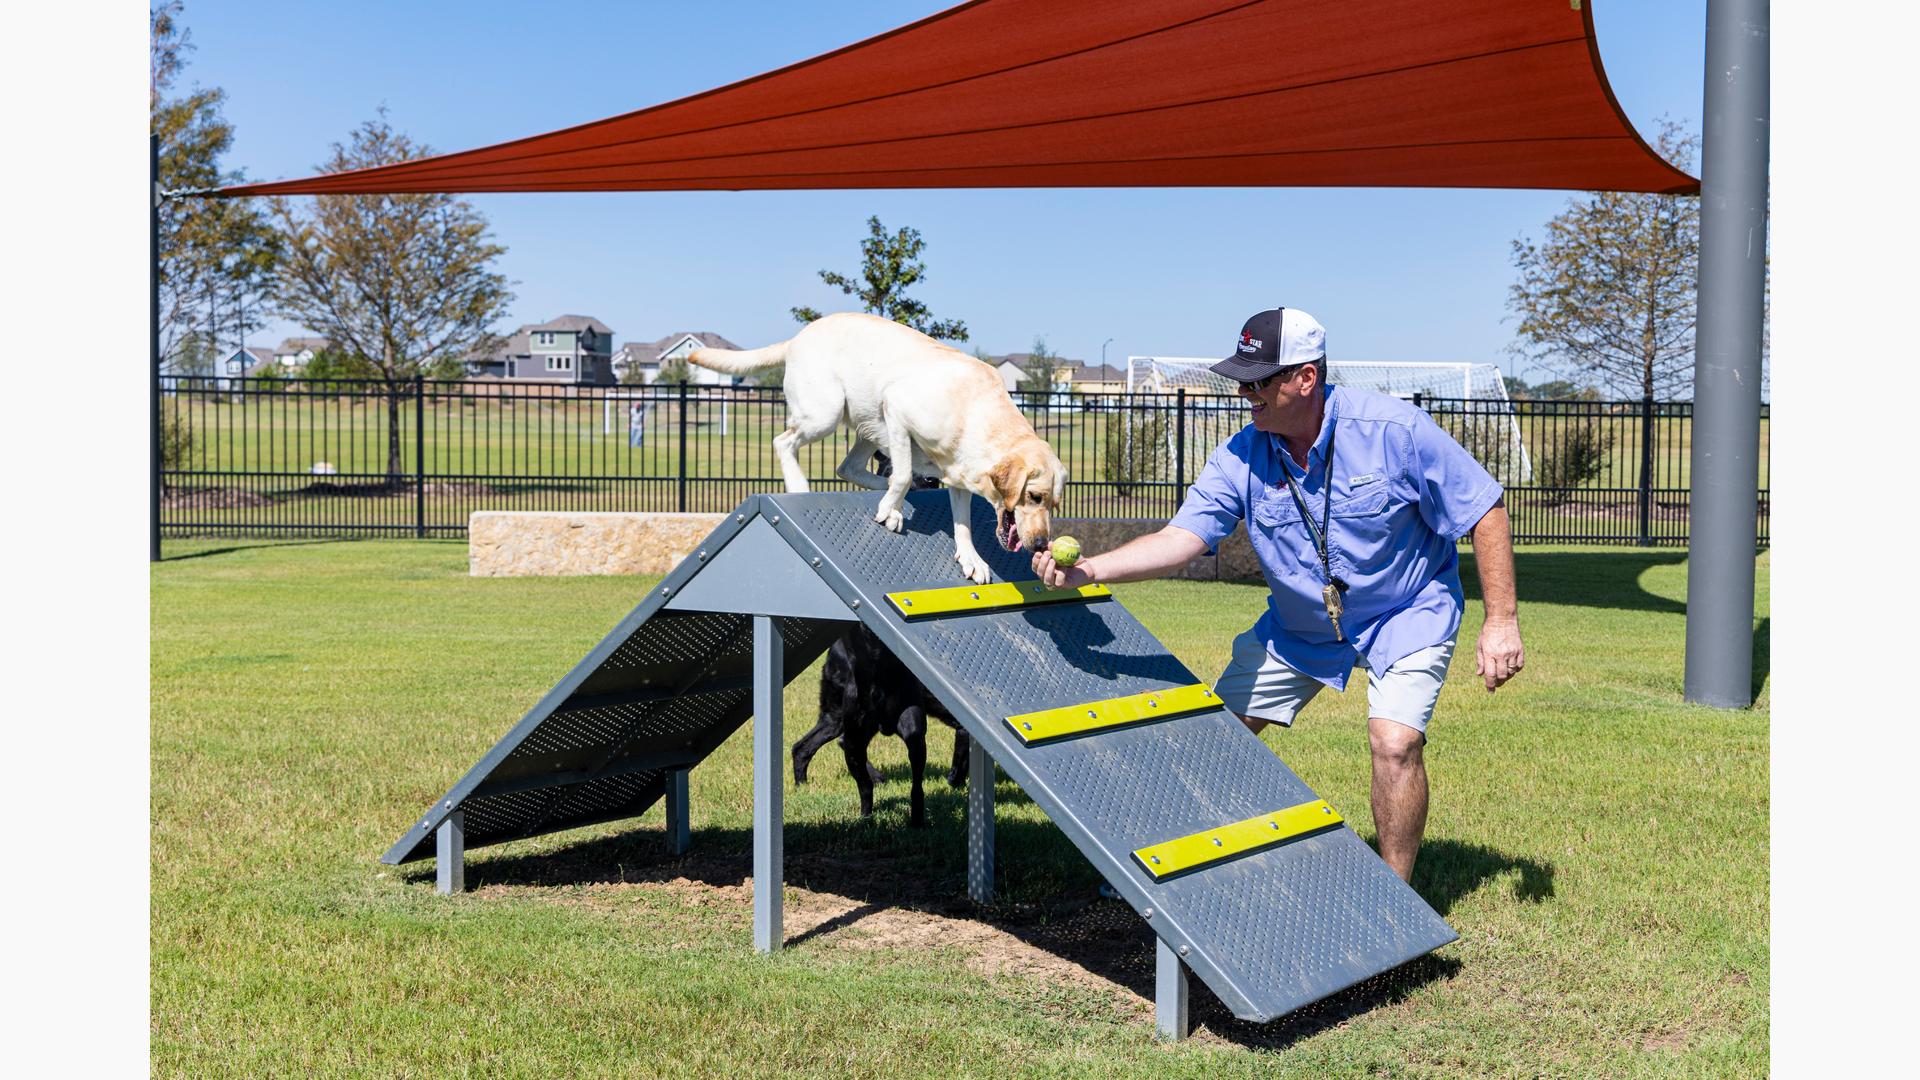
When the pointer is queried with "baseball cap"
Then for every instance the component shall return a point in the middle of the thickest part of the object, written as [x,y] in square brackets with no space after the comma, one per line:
[1274,339]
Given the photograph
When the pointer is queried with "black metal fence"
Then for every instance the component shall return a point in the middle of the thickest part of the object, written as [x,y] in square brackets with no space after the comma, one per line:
[262,457]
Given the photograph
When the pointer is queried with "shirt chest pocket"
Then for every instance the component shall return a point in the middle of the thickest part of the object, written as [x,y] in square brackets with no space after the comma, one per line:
[1274,508]
[1363,521]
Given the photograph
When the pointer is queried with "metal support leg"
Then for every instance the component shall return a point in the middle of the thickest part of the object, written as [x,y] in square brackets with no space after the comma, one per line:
[980,824]
[679,816]
[1169,992]
[450,854]
[768,758]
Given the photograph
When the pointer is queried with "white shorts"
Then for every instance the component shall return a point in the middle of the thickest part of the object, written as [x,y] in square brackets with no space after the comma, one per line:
[1258,685]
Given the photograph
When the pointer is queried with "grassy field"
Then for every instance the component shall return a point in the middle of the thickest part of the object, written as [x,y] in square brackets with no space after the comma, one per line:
[1601,847]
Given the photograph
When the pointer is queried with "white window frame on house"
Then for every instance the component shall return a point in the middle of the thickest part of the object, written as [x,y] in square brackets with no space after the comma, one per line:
[559,362]
[543,337]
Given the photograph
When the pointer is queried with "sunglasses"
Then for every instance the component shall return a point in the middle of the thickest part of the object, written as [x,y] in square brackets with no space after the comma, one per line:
[1258,385]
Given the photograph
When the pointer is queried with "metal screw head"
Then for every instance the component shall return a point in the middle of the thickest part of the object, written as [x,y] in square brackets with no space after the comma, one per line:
[1274,824]
[1152,704]
[703,556]
[1326,809]
[1216,842]
[855,605]
[1147,913]
[1093,714]
[1184,950]
[1156,862]
[739,517]
[666,592]
[449,804]
[1026,725]
[816,560]
[776,519]
[976,596]
[906,601]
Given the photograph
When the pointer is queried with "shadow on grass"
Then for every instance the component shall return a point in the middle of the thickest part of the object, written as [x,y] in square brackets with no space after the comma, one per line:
[1448,870]
[1603,579]
[164,557]
[1048,897]
[1762,656]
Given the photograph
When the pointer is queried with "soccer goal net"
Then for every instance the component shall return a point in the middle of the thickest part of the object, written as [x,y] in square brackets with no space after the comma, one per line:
[1468,400]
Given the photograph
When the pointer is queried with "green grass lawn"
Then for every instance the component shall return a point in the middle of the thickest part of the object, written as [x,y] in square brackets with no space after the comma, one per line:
[1601,847]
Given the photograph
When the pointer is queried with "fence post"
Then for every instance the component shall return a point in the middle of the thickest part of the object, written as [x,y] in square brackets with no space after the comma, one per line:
[683,448]
[1646,471]
[419,458]
[1179,448]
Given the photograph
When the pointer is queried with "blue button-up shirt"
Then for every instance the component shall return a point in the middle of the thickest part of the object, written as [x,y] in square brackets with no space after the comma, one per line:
[1403,493]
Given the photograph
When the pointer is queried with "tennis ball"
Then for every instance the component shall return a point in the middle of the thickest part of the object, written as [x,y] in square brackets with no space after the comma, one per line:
[1065,550]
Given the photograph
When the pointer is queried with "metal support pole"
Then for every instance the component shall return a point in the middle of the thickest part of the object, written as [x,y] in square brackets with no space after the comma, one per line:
[450,854]
[153,326]
[1169,992]
[980,824]
[682,501]
[1726,373]
[679,815]
[768,793]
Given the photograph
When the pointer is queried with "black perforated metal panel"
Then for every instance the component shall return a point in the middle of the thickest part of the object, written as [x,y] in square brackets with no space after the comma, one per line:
[1268,932]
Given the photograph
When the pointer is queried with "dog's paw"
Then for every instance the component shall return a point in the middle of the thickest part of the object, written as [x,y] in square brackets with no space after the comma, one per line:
[892,519]
[973,567]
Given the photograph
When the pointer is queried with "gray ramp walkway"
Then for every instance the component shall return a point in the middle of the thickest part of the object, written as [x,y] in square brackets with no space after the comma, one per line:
[1268,931]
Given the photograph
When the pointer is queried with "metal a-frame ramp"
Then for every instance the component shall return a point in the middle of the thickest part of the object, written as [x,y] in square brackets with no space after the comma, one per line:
[1245,876]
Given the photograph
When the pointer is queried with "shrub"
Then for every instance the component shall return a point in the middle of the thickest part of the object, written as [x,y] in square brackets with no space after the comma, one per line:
[1577,456]
[1135,448]
[176,437]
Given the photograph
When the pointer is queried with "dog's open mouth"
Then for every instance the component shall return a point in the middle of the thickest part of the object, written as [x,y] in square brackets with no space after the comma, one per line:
[1008,531]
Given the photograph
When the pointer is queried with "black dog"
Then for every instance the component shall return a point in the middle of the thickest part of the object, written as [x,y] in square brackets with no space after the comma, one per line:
[865,691]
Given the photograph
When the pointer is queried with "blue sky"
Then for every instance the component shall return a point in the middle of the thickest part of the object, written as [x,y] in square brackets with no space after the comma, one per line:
[1394,274]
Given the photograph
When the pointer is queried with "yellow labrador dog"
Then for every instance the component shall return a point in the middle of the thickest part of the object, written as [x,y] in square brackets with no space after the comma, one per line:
[921,402]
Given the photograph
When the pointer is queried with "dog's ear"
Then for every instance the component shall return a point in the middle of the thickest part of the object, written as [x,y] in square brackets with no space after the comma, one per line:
[1059,483]
[1006,478]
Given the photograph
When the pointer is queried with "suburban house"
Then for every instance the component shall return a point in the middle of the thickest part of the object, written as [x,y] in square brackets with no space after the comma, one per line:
[644,359]
[576,349]
[1076,375]
[294,352]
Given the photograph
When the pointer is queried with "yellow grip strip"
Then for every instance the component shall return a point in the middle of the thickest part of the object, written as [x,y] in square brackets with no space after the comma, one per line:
[1001,594]
[1047,724]
[1163,860]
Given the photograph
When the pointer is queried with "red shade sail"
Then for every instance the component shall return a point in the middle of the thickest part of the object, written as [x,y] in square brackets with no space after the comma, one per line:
[1102,93]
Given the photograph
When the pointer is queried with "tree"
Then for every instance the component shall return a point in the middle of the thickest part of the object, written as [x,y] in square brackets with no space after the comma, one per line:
[1609,294]
[675,372]
[891,265]
[1041,370]
[217,256]
[332,363]
[403,282]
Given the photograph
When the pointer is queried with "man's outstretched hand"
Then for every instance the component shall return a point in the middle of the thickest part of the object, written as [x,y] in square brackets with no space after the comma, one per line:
[1060,577]
[1501,656]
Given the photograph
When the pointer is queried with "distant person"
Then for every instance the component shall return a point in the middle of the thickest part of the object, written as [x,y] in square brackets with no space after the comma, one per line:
[637,425]
[1354,501]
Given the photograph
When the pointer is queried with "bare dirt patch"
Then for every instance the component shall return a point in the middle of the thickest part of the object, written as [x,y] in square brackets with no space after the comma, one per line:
[213,498]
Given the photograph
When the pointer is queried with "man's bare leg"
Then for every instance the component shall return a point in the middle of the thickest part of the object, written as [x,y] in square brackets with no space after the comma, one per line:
[1399,792]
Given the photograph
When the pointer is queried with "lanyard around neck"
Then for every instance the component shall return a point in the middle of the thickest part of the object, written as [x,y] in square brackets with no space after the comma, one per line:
[1322,534]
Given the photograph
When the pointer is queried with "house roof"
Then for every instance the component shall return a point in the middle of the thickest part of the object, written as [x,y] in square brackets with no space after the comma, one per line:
[573,323]
[301,344]
[641,352]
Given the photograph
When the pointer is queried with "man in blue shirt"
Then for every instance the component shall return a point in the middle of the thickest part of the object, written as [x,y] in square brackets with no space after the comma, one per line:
[1354,502]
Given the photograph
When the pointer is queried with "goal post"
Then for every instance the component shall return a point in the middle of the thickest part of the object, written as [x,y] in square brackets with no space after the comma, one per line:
[1489,427]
